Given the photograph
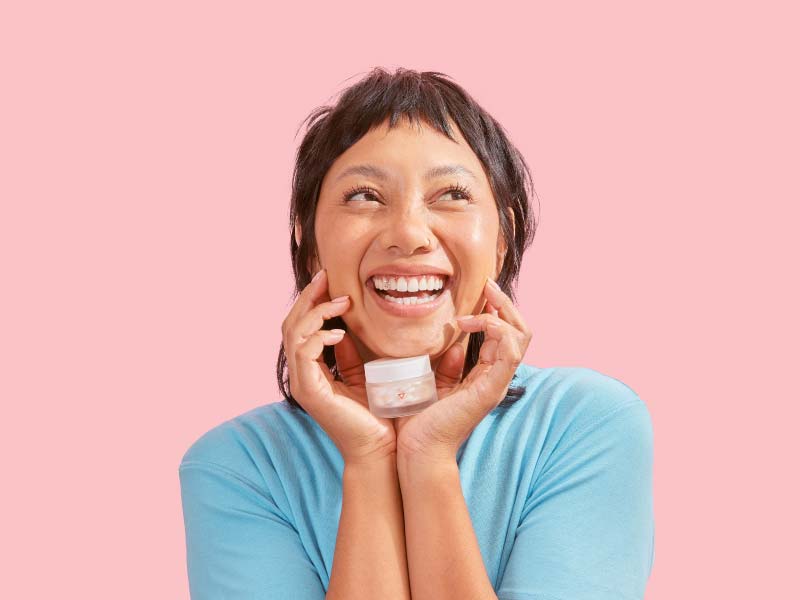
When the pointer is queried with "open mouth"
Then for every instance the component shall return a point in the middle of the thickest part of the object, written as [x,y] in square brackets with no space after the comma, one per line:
[411,291]
[414,302]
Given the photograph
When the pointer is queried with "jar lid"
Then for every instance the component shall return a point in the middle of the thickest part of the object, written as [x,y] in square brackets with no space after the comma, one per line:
[383,370]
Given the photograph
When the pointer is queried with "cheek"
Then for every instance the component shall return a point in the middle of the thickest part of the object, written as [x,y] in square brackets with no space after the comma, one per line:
[469,294]
[475,263]
[342,257]
[474,239]
[340,240]
[475,254]
[482,236]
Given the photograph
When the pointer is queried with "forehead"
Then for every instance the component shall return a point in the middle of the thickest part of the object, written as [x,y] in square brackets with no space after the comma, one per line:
[408,147]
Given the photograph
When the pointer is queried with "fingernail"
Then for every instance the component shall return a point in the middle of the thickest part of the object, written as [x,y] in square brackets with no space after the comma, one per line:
[340,299]
[493,283]
[337,331]
[464,318]
[317,276]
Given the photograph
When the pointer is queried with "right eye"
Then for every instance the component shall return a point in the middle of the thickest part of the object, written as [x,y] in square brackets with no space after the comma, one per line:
[357,191]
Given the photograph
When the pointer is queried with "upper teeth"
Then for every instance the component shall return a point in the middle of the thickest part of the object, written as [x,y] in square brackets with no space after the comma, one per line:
[408,284]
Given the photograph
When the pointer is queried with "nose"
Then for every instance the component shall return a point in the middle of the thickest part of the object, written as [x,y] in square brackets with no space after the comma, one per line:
[407,230]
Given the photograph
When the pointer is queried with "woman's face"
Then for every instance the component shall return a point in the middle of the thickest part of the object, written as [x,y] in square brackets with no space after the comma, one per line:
[405,221]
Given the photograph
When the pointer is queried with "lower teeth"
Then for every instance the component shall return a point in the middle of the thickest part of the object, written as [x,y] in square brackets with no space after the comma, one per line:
[410,299]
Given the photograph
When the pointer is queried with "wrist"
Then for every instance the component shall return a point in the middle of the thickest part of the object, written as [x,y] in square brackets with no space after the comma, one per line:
[376,464]
[423,465]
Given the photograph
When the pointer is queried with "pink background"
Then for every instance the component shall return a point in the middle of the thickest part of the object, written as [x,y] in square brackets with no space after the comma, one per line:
[146,152]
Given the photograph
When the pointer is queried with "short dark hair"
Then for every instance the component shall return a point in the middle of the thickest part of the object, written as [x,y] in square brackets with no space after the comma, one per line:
[434,98]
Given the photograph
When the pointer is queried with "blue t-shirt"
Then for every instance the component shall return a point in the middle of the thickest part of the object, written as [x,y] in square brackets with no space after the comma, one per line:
[558,486]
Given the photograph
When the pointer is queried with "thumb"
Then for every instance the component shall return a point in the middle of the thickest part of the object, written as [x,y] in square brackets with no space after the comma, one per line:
[451,365]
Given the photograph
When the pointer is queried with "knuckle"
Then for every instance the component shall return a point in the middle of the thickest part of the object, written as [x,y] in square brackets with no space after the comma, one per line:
[299,351]
[328,310]
[321,312]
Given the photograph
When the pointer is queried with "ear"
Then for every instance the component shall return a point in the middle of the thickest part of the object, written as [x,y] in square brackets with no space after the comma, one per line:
[298,235]
[502,247]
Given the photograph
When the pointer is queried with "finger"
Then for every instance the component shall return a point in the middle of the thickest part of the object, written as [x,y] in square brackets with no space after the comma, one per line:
[309,374]
[297,334]
[319,399]
[488,352]
[493,327]
[500,353]
[349,362]
[316,290]
[451,365]
[488,308]
[490,381]
[314,319]
[505,307]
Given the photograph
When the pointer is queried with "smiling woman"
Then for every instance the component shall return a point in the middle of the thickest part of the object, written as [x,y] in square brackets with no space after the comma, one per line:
[408,175]
[408,221]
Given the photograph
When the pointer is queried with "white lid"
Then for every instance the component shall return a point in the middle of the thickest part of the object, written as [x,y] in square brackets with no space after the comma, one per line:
[383,370]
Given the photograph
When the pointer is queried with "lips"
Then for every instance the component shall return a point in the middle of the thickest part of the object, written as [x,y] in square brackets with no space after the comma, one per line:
[410,310]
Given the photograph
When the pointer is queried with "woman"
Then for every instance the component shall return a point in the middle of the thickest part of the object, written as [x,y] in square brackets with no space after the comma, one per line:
[520,482]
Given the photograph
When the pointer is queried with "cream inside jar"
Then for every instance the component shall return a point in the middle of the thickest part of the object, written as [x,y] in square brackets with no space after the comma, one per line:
[397,387]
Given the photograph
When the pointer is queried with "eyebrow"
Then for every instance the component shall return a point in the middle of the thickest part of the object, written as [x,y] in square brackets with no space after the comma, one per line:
[433,173]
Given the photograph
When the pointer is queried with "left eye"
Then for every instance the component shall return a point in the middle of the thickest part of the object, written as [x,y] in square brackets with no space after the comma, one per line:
[457,192]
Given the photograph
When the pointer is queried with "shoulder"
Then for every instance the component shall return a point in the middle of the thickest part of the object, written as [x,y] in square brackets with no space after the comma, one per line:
[577,422]
[220,444]
[248,444]
[587,397]
[568,402]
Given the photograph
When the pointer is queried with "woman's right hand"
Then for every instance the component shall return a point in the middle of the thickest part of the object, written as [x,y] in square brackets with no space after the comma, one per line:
[339,407]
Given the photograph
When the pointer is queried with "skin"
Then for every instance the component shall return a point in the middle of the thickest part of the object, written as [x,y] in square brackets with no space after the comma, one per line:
[407,219]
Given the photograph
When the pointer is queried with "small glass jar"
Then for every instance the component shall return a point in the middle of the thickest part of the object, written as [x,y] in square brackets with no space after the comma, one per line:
[397,387]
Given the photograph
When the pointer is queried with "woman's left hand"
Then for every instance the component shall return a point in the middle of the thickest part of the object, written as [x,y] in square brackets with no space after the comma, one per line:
[436,433]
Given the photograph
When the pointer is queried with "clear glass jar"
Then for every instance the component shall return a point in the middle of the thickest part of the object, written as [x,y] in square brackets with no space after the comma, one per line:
[398,387]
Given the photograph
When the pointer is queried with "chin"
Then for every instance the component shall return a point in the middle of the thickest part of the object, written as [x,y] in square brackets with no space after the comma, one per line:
[400,349]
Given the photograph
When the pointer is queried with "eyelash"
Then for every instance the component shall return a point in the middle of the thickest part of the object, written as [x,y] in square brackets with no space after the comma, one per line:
[461,189]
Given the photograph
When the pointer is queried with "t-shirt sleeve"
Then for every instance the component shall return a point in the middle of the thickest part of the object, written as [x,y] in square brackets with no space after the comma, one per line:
[238,543]
[586,531]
